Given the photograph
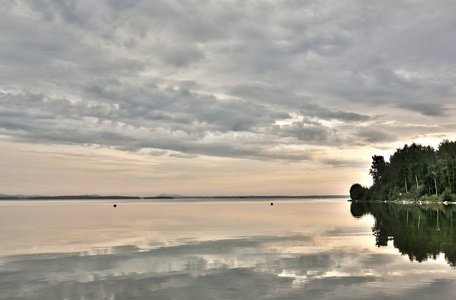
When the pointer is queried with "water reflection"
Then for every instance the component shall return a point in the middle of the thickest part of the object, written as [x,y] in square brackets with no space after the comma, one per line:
[244,268]
[297,250]
[420,231]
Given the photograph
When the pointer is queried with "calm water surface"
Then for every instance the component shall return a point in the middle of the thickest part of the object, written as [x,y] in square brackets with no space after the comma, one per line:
[295,249]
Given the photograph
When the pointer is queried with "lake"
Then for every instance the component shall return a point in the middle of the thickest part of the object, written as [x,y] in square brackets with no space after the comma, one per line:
[226,249]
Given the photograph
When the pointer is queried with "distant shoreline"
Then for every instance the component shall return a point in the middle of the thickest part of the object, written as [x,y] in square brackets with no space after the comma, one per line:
[89,197]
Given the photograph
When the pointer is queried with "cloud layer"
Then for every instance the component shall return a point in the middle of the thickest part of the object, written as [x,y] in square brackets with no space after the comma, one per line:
[276,81]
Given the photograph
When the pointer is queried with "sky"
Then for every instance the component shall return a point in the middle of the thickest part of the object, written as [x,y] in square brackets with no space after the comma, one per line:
[218,97]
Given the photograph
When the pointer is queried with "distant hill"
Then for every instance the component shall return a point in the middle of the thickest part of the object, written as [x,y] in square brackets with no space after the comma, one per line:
[269,197]
[18,196]
[161,196]
[170,195]
[65,197]
[81,197]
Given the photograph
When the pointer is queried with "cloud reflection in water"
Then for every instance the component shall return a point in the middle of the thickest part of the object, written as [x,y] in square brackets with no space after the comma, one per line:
[243,268]
[301,249]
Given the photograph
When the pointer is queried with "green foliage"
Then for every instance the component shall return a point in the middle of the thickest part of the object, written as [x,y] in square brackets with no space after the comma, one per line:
[378,168]
[358,192]
[446,195]
[431,198]
[413,172]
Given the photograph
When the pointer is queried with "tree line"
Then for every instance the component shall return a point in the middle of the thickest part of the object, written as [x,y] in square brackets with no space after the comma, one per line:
[413,172]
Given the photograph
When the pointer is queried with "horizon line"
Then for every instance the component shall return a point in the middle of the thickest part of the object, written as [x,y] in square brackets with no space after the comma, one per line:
[172,195]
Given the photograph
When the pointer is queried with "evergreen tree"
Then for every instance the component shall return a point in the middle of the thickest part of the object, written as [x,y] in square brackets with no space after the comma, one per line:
[413,171]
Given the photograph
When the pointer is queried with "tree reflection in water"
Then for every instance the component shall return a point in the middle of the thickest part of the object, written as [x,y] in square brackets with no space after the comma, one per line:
[420,231]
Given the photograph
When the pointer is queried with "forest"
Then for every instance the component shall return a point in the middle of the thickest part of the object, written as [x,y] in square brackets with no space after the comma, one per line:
[414,172]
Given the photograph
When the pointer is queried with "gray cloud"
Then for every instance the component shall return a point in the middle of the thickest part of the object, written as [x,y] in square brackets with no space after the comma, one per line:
[373,136]
[182,57]
[311,133]
[266,94]
[171,119]
[222,79]
[314,110]
[427,109]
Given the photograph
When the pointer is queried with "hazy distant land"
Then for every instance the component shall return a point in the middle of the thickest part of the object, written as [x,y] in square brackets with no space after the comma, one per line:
[173,196]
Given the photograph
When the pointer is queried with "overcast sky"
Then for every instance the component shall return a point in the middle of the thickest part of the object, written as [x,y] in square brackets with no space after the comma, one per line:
[218,97]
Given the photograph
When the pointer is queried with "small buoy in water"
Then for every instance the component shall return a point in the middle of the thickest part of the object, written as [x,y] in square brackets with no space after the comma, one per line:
[115,205]
[272,203]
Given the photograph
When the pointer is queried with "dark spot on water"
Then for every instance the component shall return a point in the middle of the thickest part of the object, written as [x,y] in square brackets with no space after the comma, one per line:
[115,205]
[272,203]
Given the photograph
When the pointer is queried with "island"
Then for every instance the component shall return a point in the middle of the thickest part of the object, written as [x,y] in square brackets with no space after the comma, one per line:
[414,172]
